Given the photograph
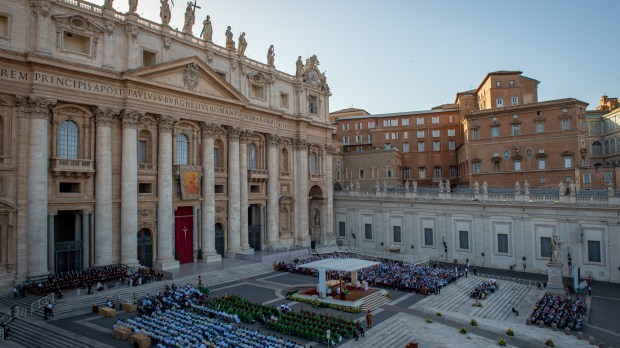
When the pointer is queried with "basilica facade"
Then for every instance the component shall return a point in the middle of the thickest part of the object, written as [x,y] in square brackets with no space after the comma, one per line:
[124,140]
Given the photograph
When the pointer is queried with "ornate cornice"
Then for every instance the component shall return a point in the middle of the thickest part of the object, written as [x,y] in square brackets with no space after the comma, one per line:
[35,107]
[166,123]
[131,118]
[105,116]
[300,144]
[245,136]
[330,148]
[273,140]
[234,133]
[209,130]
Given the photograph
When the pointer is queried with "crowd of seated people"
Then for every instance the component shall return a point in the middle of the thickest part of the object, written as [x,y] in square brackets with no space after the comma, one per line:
[564,313]
[78,279]
[482,290]
[389,274]
[177,318]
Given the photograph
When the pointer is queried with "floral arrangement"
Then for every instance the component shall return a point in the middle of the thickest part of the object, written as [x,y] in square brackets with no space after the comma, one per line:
[463,330]
[473,322]
[429,320]
[549,343]
[347,309]
[314,303]
[510,332]
[438,314]
[312,326]
[501,342]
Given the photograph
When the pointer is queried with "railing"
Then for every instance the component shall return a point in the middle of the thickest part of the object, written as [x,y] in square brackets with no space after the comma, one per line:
[316,177]
[16,312]
[72,165]
[286,174]
[408,258]
[5,161]
[221,171]
[41,303]
[257,172]
[147,166]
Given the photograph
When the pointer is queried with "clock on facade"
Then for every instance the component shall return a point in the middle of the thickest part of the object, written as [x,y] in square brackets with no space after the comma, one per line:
[313,77]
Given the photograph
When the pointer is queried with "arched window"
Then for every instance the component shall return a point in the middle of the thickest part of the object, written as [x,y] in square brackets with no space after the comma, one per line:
[606,147]
[182,149]
[612,145]
[144,147]
[314,163]
[597,148]
[68,137]
[252,156]
[284,160]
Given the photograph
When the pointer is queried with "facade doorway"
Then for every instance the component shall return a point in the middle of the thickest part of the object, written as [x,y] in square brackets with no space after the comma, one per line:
[145,247]
[316,216]
[67,241]
[254,226]
[219,239]
[184,234]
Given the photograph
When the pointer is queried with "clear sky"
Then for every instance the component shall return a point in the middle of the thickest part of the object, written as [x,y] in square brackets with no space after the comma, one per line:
[395,56]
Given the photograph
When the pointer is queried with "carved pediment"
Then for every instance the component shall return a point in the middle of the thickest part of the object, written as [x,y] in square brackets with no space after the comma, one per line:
[78,23]
[190,75]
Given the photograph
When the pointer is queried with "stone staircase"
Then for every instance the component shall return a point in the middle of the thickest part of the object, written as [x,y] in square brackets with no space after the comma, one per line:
[74,305]
[376,300]
[35,335]
[497,306]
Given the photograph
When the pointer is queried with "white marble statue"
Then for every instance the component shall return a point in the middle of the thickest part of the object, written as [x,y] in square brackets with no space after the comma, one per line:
[517,188]
[562,189]
[357,185]
[164,12]
[271,56]
[447,185]
[485,188]
[230,43]
[133,6]
[378,186]
[572,188]
[207,30]
[407,186]
[526,187]
[414,184]
[610,190]
[243,44]
[190,18]
[441,186]
[299,67]
[476,188]
[556,244]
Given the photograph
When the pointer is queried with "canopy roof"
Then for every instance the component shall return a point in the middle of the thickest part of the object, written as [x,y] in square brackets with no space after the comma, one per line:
[345,265]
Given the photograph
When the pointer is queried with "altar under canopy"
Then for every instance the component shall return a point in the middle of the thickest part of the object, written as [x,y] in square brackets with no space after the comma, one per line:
[341,265]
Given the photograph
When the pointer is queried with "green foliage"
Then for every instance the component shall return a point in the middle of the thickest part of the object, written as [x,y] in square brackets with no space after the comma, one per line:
[463,330]
[510,332]
[429,320]
[473,322]
[549,343]
[501,342]
[438,314]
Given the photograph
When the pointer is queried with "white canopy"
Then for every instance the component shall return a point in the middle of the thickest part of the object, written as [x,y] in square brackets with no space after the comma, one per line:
[344,265]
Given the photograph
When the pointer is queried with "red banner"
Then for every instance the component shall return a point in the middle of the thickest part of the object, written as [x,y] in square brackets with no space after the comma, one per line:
[184,234]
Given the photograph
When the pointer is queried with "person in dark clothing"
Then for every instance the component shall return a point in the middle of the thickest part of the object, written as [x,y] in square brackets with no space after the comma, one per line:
[475,271]
[515,311]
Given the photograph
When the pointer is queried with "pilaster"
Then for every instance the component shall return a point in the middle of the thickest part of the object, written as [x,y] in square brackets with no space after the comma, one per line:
[273,208]
[234,199]
[129,188]
[209,131]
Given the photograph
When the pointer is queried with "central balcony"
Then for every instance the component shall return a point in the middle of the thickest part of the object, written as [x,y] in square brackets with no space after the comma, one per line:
[257,175]
[72,167]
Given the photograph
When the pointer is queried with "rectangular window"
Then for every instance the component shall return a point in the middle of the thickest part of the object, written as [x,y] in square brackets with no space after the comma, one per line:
[76,43]
[144,188]
[149,58]
[371,125]
[419,120]
[360,173]
[568,161]
[370,138]
[386,123]
[420,146]
[474,133]
[254,188]
[345,140]
[388,172]
[342,229]
[420,134]
[358,138]
[494,132]
[219,188]
[387,146]
[359,149]
[367,231]
[594,251]
[464,240]
[515,100]
[499,102]
[406,173]
[545,246]
[586,178]
[436,146]
[451,144]
[476,167]
[435,120]
[405,135]
[284,100]
[498,84]
[428,237]
[405,147]
[542,163]
[516,129]
[258,92]
[450,119]
[607,176]
[393,123]
[394,136]
[142,144]
[396,233]
[435,133]
[451,132]
[313,105]
[540,127]
[437,172]
[345,127]
[502,243]
[404,122]
[517,165]
[358,126]
[565,124]
[69,187]
[511,83]
[453,171]
[422,172]
[4,26]
[387,136]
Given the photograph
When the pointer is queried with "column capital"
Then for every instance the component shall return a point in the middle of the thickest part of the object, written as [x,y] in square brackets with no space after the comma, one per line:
[245,136]
[166,123]
[35,106]
[330,148]
[52,213]
[273,140]
[104,116]
[86,212]
[209,130]
[300,144]
[234,133]
[131,118]
[196,208]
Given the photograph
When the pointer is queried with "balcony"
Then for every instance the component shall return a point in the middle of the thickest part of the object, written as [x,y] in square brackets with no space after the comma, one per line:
[257,175]
[6,162]
[147,168]
[72,167]
[315,177]
[285,174]
[220,172]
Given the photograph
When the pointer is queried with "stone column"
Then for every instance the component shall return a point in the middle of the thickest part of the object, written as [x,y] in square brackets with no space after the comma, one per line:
[165,220]
[234,199]
[302,236]
[329,188]
[243,186]
[195,210]
[50,241]
[129,189]
[104,117]
[38,110]
[86,238]
[273,207]
[209,131]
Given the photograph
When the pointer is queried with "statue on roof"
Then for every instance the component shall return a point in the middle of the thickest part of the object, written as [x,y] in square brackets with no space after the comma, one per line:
[108,4]
[207,30]
[299,67]
[243,44]
[230,43]
[164,12]
[271,54]
[133,6]
[190,18]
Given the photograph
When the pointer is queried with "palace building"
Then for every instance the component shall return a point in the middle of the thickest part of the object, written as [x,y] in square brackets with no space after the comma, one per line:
[127,141]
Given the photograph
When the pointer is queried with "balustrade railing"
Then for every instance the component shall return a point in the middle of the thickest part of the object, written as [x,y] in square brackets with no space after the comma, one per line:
[41,303]
[285,174]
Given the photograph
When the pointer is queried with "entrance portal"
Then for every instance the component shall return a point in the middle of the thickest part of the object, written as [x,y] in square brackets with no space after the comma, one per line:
[254,226]
[184,234]
[145,247]
[67,242]
[219,239]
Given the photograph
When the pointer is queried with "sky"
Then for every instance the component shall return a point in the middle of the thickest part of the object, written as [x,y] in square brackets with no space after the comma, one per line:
[397,56]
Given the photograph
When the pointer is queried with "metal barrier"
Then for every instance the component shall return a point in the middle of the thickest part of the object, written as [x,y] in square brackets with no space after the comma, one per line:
[41,303]
[17,312]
